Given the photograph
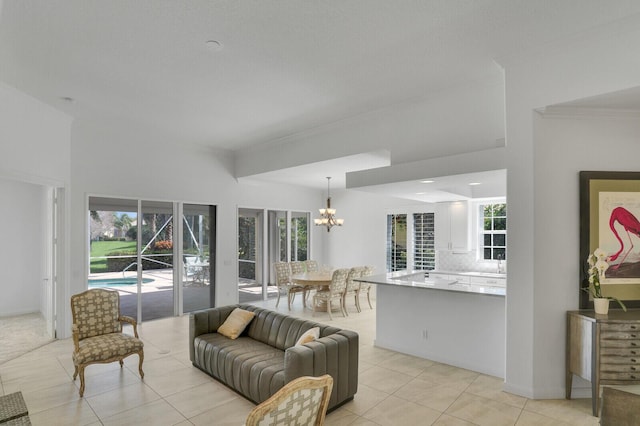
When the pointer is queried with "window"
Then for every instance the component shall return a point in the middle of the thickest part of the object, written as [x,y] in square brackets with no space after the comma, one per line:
[396,242]
[493,237]
[299,229]
[424,254]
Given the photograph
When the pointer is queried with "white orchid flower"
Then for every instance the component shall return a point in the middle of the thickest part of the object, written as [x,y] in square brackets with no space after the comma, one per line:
[600,254]
[602,266]
[591,260]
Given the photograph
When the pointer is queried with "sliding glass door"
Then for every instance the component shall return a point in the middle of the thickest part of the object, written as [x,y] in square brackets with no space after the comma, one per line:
[161,266]
[198,257]
[266,237]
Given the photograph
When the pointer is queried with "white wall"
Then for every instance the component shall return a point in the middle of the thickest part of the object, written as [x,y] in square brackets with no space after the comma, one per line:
[123,160]
[363,238]
[599,62]
[21,248]
[566,146]
[34,139]
[34,148]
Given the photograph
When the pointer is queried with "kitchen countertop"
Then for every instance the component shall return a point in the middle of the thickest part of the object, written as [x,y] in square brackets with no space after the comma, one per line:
[416,279]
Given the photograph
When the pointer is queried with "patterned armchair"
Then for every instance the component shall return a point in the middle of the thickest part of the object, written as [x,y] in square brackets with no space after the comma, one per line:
[97,332]
[283,281]
[364,288]
[335,291]
[302,401]
[352,287]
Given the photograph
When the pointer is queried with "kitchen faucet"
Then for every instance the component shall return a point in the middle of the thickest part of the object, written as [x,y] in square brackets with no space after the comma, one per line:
[499,257]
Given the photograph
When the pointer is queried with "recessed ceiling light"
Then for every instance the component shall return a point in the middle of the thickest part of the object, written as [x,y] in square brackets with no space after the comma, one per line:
[426,181]
[475,183]
[420,193]
[214,45]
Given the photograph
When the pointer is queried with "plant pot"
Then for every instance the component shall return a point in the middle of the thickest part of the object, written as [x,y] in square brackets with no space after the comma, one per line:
[601,305]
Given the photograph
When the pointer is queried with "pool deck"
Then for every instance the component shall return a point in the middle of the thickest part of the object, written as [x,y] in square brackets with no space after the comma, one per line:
[158,295]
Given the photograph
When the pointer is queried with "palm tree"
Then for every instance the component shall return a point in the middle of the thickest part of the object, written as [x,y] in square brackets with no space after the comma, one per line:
[122,222]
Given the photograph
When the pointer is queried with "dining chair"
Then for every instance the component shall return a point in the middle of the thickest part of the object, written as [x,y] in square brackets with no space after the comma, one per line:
[284,283]
[302,401]
[364,288]
[335,291]
[97,332]
[311,265]
[299,267]
[352,287]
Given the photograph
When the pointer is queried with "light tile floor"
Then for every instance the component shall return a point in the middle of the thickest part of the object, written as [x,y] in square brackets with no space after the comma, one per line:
[394,389]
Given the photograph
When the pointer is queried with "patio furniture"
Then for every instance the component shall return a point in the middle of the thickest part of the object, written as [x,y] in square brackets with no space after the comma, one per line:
[97,332]
[301,402]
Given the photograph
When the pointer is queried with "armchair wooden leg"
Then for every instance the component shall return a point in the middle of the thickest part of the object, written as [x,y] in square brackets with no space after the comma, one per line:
[141,358]
[75,373]
[278,301]
[329,309]
[121,363]
[81,372]
[369,298]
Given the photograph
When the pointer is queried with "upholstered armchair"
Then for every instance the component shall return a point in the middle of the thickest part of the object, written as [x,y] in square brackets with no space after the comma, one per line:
[97,332]
[302,401]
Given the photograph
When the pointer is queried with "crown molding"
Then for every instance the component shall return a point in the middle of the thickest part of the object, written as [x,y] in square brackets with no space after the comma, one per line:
[586,112]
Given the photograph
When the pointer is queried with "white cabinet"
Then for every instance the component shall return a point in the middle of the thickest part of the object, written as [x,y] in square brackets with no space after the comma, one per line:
[452,226]
[498,282]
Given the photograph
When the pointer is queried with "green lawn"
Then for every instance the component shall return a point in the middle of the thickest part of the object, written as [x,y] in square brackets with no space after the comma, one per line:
[104,248]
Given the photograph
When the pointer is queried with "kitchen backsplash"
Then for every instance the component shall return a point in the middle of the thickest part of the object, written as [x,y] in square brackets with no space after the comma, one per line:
[447,260]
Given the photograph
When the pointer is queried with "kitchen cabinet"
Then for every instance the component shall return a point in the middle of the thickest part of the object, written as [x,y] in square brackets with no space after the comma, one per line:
[452,226]
[499,282]
[604,349]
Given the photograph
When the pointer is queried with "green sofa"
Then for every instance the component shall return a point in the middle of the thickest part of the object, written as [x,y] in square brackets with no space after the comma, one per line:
[263,358]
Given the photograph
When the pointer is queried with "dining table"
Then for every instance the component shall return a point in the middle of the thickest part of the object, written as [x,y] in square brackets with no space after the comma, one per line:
[320,280]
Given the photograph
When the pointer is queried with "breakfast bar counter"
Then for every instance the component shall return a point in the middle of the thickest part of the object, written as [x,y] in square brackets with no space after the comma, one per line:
[441,320]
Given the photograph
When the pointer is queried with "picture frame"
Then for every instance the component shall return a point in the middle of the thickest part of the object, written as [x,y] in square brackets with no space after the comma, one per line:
[609,220]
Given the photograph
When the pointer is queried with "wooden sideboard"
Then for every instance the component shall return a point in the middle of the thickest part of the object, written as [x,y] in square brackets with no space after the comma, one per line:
[604,349]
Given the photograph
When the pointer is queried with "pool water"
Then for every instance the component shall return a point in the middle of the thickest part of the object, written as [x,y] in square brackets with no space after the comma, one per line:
[115,282]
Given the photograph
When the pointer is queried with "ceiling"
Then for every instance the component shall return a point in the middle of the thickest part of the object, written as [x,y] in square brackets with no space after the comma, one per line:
[284,66]
[489,184]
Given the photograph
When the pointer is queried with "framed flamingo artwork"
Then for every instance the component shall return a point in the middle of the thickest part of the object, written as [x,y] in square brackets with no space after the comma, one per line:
[610,221]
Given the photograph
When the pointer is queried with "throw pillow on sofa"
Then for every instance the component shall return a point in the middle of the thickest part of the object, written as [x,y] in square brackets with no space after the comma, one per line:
[309,336]
[235,323]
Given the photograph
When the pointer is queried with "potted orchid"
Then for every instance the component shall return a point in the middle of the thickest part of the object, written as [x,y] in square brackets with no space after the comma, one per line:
[597,265]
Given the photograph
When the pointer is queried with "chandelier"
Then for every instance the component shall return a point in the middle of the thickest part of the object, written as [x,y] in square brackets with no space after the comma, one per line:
[327,215]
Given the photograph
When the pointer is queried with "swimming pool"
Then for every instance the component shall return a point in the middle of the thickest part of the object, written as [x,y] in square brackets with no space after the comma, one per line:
[115,282]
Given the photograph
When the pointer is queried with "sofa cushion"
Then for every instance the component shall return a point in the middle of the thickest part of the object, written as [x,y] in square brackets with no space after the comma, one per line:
[105,347]
[308,336]
[235,323]
[252,368]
